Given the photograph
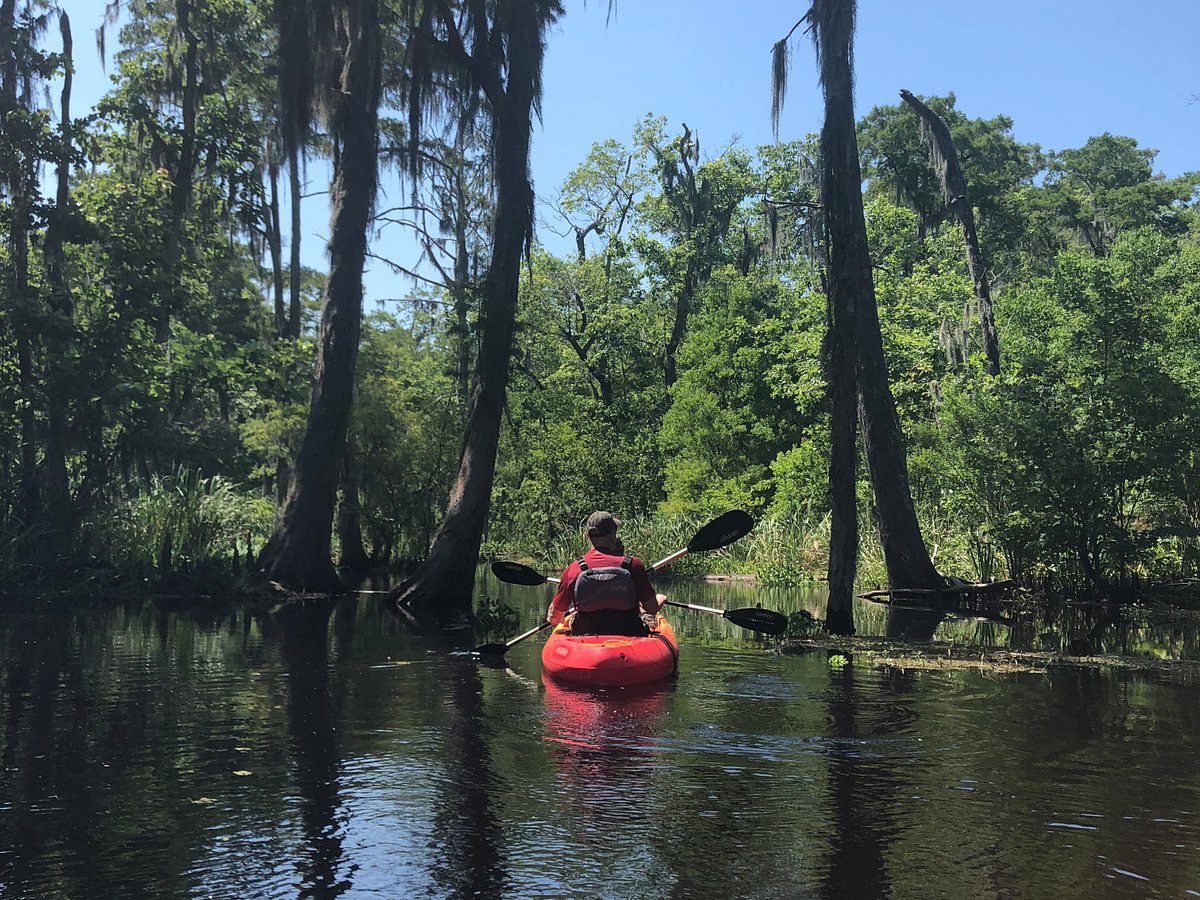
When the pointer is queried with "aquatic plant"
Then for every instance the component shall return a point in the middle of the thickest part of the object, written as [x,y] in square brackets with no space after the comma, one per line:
[185,521]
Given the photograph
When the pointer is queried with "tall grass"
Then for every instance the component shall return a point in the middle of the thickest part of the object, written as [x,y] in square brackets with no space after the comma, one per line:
[201,520]
[780,550]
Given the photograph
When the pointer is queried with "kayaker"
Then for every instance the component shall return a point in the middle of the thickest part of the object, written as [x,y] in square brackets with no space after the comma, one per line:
[609,589]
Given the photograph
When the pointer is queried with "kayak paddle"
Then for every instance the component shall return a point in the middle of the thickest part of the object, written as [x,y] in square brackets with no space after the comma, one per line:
[720,532]
[754,618]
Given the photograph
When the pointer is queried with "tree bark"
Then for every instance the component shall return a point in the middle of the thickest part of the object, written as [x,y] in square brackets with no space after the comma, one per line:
[297,553]
[944,160]
[907,560]
[462,276]
[843,289]
[275,246]
[58,335]
[294,268]
[442,587]
[840,366]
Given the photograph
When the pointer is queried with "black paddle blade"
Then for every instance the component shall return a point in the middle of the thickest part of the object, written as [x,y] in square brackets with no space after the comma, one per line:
[722,531]
[758,619]
[515,573]
[490,650]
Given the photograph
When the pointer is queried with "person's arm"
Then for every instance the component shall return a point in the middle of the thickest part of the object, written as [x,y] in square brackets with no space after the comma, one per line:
[647,599]
[564,597]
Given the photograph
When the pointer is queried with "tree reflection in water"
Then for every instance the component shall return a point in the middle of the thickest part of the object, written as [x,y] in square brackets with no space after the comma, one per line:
[468,859]
[861,788]
[312,736]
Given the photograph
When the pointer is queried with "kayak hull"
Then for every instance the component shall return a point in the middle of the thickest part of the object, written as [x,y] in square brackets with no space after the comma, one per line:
[607,660]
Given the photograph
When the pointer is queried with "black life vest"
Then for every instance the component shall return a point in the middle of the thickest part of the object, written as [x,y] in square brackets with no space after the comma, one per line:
[605,587]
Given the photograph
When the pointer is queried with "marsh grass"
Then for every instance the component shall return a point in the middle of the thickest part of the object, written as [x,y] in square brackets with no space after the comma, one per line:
[780,550]
[185,522]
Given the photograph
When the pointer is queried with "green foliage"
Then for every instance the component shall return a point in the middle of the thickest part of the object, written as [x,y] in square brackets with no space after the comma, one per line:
[802,624]
[668,367]
[184,521]
[1065,457]
[495,619]
[995,165]
[405,432]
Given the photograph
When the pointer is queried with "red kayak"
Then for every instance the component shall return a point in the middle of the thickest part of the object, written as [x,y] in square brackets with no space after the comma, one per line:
[608,660]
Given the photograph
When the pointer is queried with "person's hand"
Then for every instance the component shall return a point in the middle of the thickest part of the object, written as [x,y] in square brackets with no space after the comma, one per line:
[553,616]
[661,598]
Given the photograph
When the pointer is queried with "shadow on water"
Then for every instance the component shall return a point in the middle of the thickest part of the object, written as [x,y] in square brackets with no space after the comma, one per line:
[469,861]
[312,739]
[860,789]
[465,857]
[913,625]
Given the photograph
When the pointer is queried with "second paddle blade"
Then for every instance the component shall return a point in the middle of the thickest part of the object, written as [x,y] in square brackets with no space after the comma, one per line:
[756,618]
[722,531]
[515,573]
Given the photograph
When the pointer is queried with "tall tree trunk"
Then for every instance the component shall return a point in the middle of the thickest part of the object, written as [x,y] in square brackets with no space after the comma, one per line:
[944,161]
[59,334]
[843,290]
[442,586]
[462,276]
[907,560]
[294,268]
[840,357]
[181,191]
[275,245]
[298,552]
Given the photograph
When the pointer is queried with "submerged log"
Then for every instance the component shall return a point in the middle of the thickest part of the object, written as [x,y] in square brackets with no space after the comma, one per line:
[950,592]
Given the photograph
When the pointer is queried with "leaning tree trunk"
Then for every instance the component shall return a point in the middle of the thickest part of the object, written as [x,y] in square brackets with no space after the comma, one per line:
[297,554]
[275,247]
[840,362]
[844,288]
[944,161]
[295,270]
[58,335]
[907,560]
[442,587]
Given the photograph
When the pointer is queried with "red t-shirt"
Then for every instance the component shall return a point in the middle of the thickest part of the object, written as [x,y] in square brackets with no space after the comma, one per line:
[564,597]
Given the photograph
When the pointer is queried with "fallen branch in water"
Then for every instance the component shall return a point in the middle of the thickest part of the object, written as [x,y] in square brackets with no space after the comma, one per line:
[956,590]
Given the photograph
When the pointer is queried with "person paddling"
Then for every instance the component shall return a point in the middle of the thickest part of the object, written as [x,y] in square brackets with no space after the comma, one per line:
[608,588]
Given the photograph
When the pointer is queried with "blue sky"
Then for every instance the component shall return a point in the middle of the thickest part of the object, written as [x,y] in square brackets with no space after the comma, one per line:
[1063,70]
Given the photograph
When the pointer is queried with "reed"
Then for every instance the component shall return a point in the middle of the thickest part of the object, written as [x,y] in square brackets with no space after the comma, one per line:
[184,521]
[780,550]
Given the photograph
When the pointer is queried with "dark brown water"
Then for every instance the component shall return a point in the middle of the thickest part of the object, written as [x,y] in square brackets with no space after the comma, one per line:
[321,753]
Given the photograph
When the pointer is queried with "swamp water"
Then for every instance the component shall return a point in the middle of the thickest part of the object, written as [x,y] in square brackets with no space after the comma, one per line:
[324,753]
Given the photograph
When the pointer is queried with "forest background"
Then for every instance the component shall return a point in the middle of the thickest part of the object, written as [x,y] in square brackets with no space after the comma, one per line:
[156,350]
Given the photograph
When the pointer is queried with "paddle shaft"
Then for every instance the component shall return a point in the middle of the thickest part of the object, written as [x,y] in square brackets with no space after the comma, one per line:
[530,633]
[668,559]
[721,531]
[755,618]
[698,608]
